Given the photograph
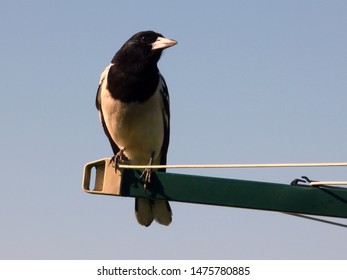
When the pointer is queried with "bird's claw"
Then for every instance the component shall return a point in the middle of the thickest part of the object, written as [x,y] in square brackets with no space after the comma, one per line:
[146,175]
[119,158]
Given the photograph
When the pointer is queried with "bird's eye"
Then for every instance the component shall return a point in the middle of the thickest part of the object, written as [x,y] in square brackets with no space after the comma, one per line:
[143,39]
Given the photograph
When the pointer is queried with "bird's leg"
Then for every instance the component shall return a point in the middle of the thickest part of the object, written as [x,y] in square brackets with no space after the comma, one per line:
[118,158]
[147,173]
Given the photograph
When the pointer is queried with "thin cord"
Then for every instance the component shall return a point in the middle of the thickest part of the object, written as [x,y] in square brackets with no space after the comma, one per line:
[260,165]
[316,219]
[318,183]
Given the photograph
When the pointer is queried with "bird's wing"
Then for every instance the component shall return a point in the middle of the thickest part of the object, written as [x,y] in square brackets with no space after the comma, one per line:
[103,79]
[166,117]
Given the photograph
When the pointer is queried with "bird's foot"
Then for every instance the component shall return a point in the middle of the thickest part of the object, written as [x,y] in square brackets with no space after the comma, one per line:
[147,173]
[119,158]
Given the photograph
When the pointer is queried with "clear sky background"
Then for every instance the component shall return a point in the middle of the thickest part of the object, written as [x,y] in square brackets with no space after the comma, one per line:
[249,81]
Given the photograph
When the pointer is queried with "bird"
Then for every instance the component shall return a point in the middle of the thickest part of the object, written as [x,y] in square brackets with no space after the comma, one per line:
[134,110]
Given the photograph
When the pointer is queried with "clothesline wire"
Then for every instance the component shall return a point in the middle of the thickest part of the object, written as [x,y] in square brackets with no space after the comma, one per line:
[247,165]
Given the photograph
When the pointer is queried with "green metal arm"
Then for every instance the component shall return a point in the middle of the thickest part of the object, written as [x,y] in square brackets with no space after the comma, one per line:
[323,200]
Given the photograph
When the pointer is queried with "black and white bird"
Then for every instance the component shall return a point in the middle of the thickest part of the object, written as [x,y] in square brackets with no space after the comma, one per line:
[133,105]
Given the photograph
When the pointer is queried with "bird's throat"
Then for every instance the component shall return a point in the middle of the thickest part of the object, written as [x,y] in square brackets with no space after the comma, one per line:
[132,85]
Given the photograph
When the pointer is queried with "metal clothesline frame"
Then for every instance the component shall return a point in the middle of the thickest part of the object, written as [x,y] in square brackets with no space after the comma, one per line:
[301,199]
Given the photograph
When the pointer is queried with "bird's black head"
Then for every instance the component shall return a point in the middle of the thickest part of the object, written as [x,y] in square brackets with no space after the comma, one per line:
[135,74]
[143,48]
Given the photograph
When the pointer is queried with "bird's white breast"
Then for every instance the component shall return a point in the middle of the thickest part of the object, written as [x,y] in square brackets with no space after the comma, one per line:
[137,127]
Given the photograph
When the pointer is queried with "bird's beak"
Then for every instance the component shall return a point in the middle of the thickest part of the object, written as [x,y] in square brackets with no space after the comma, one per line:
[163,43]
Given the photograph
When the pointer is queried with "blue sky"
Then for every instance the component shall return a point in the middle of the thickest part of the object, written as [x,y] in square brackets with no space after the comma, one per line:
[249,81]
